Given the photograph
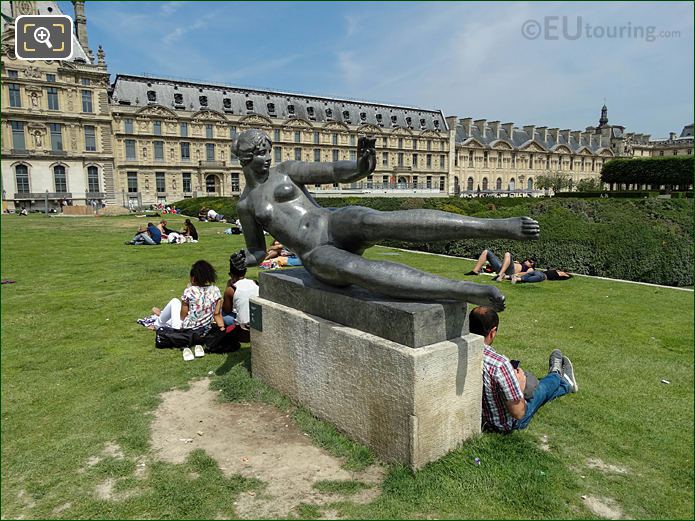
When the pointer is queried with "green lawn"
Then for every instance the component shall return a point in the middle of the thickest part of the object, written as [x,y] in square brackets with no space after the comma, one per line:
[78,373]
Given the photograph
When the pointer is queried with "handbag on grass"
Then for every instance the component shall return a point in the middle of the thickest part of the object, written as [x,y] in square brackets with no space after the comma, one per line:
[168,337]
[218,341]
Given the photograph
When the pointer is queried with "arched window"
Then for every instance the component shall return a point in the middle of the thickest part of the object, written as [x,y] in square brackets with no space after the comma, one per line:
[512,184]
[469,184]
[92,179]
[21,173]
[498,184]
[484,183]
[529,184]
[60,181]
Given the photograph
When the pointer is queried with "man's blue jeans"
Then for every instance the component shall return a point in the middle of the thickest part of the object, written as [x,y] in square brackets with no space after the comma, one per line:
[549,387]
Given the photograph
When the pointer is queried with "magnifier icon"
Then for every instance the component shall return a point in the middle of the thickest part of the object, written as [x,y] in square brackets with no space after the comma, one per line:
[43,35]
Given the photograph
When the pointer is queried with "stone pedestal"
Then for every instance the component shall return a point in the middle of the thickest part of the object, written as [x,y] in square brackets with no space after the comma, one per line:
[404,378]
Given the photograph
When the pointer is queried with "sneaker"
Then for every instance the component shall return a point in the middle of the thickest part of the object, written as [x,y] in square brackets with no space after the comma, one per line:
[472,273]
[198,350]
[568,373]
[555,362]
[188,354]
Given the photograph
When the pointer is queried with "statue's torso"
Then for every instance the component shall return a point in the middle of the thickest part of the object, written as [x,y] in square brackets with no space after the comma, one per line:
[287,212]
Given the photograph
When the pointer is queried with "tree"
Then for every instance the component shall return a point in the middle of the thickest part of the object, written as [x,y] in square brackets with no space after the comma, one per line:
[589,185]
[555,181]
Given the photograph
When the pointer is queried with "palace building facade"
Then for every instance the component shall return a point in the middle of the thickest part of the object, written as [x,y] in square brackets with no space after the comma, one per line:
[70,135]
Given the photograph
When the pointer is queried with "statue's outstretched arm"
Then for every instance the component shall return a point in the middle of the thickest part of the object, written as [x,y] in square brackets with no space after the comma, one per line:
[338,171]
[253,235]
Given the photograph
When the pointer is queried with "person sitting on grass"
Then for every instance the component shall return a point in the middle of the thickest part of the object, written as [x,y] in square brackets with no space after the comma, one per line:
[162,227]
[189,231]
[505,408]
[505,269]
[203,214]
[235,303]
[150,236]
[200,306]
[275,250]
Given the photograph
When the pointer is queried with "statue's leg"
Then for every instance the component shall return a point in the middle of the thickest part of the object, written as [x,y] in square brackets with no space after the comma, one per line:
[339,268]
[363,225]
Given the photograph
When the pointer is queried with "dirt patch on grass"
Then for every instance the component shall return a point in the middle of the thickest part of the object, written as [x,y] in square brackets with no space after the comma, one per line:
[110,450]
[255,441]
[604,507]
[596,463]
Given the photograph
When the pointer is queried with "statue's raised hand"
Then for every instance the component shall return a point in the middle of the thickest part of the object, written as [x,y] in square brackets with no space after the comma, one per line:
[366,156]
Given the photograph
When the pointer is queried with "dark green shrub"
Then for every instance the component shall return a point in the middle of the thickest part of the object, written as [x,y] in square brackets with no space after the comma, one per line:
[655,171]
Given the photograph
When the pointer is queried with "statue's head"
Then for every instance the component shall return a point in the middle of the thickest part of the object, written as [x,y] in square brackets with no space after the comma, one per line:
[248,142]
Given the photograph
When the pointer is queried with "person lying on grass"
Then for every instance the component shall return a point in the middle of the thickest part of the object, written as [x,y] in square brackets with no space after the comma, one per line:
[200,306]
[508,404]
[516,272]
[505,268]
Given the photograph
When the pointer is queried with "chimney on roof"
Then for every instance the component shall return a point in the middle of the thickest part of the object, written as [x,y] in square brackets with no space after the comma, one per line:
[481,124]
[495,129]
[585,138]
[671,136]
[566,134]
[451,121]
[81,26]
[554,134]
[509,130]
[530,131]
[543,133]
[466,123]
[591,138]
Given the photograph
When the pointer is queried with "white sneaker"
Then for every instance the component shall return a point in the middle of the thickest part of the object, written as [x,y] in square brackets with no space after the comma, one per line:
[188,354]
[198,350]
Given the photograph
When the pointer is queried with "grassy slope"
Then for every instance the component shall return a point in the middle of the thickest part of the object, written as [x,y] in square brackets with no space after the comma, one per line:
[77,372]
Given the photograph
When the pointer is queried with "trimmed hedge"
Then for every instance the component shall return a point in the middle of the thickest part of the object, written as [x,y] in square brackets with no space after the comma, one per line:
[645,240]
[655,171]
[224,205]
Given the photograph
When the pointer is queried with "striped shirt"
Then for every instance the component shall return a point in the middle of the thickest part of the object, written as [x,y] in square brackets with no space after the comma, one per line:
[499,386]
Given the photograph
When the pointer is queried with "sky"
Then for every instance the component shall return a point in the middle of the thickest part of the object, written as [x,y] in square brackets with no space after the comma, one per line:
[546,63]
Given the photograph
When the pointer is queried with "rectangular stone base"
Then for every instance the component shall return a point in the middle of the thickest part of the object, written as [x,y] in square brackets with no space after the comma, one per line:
[409,405]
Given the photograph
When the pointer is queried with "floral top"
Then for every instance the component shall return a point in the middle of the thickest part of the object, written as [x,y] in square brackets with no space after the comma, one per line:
[201,302]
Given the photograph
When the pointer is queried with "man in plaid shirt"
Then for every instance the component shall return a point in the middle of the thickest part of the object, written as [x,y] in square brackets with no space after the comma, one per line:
[504,406]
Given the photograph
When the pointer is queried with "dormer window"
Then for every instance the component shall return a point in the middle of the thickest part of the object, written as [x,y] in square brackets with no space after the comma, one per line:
[178,98]
[409,121]
[151,95]
[379,119]
[271,108]
[363,116]
[203,101]
[249,104]
[394,121]
[436,123]
[329,114]
[423,123]
[310,112]
[290,110]
[227,103]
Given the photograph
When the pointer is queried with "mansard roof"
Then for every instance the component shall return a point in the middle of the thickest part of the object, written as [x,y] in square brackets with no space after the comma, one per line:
[522,138]
[235,101]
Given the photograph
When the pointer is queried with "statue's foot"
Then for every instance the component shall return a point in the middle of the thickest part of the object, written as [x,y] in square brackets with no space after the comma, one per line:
[524,229]
[488,296]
